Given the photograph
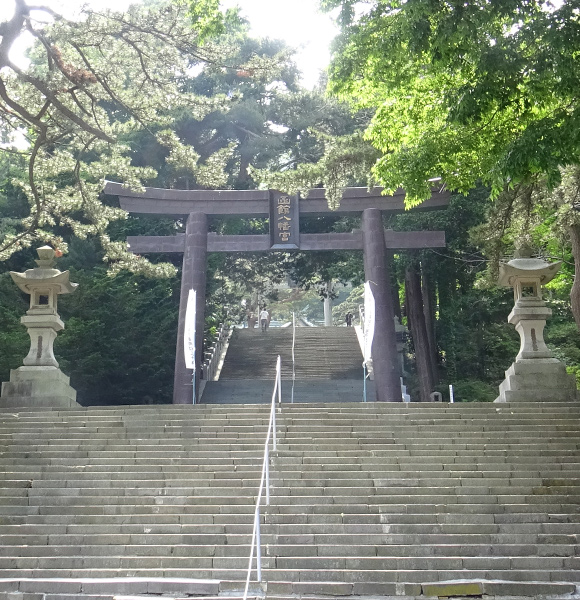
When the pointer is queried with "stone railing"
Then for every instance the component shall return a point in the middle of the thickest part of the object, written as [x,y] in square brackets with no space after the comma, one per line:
[214,353]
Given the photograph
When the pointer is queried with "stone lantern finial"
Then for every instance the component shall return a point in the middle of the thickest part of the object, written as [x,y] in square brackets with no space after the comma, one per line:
[535,374]
[46,257]
[40,382]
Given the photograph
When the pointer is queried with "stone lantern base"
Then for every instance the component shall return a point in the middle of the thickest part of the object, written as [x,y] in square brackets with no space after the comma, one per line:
[537,380]
[38,387]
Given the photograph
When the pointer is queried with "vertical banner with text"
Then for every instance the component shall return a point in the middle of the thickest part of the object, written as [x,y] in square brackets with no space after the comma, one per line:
[369,325]
[189,331]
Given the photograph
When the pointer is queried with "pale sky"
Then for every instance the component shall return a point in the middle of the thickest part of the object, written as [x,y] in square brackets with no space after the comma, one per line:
[298,22]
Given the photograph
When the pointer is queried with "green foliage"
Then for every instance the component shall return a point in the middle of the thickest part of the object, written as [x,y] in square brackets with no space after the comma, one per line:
[14,341]
[207,19]
[474,340]
[471,391]
[463,91]
[345,160]
[119,342]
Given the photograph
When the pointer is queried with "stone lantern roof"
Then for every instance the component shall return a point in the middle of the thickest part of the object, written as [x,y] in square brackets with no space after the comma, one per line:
[527,267]
[44,274]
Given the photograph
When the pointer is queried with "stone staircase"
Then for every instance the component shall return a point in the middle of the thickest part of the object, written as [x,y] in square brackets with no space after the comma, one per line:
[413,500]
[328,364]
[320,353]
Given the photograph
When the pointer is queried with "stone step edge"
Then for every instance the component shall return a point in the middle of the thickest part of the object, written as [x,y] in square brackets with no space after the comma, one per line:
[108,585]
[442,589]
[251,596]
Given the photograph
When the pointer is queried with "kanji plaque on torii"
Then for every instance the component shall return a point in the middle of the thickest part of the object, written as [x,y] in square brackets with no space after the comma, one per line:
[284,221]
[284,212]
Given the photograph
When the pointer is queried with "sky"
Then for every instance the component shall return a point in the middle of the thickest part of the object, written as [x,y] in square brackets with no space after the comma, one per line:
[298,22]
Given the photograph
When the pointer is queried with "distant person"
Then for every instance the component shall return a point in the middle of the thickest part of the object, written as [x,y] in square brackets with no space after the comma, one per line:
[348,319]
[264,319]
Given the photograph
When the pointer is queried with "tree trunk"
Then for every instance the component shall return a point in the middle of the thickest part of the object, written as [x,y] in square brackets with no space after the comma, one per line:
[395,291]
[429,314]
[418,329]
[575,291]
[446,290]
[243,175]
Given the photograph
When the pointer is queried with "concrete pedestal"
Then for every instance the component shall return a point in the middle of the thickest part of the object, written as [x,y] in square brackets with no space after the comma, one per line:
[38,387]
[535,375]
[537,380]
[42,330]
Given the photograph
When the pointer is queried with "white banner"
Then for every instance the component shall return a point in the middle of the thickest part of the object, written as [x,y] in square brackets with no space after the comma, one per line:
[189,332]
[369,327]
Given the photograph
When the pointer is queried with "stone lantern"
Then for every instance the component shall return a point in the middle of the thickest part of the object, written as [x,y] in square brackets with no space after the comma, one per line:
[535,374]
[40,382]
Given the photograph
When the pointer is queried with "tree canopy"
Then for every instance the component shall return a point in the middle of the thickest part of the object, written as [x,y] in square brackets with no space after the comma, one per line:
[463,91]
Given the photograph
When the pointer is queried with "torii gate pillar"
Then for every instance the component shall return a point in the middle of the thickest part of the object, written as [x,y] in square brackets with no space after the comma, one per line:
[193,277]
[377,273]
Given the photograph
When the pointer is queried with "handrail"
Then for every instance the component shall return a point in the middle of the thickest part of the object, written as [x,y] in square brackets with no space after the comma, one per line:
[264,482]
[293,356]
[214,353]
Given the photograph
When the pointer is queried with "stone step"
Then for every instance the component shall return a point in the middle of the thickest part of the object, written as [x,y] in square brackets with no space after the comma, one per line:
[109,585]
[318,575]
[372,574]
[65,563]
[407,461]
[339,549]
[435,563]
[416,508]
[318,590]
[226,515]
[395,480]
[309,389]
[306,507]
[175,523]
[335,352]
[407,550]
[317,488]
[420,519]
[357,536]
[418,496]
[233,534]
[123,573]
[49,506]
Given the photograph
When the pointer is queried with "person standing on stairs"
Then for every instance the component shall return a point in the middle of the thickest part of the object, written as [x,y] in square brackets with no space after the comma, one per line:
[264,319]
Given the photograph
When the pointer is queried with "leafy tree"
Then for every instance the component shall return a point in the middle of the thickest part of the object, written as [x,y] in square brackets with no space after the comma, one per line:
[469,92]
[463,91]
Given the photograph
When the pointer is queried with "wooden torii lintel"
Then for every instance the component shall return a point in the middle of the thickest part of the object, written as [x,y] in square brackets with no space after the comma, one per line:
[400,240]
[256,203]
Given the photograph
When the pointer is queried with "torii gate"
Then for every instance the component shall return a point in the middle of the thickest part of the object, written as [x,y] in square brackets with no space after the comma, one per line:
[284,213]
